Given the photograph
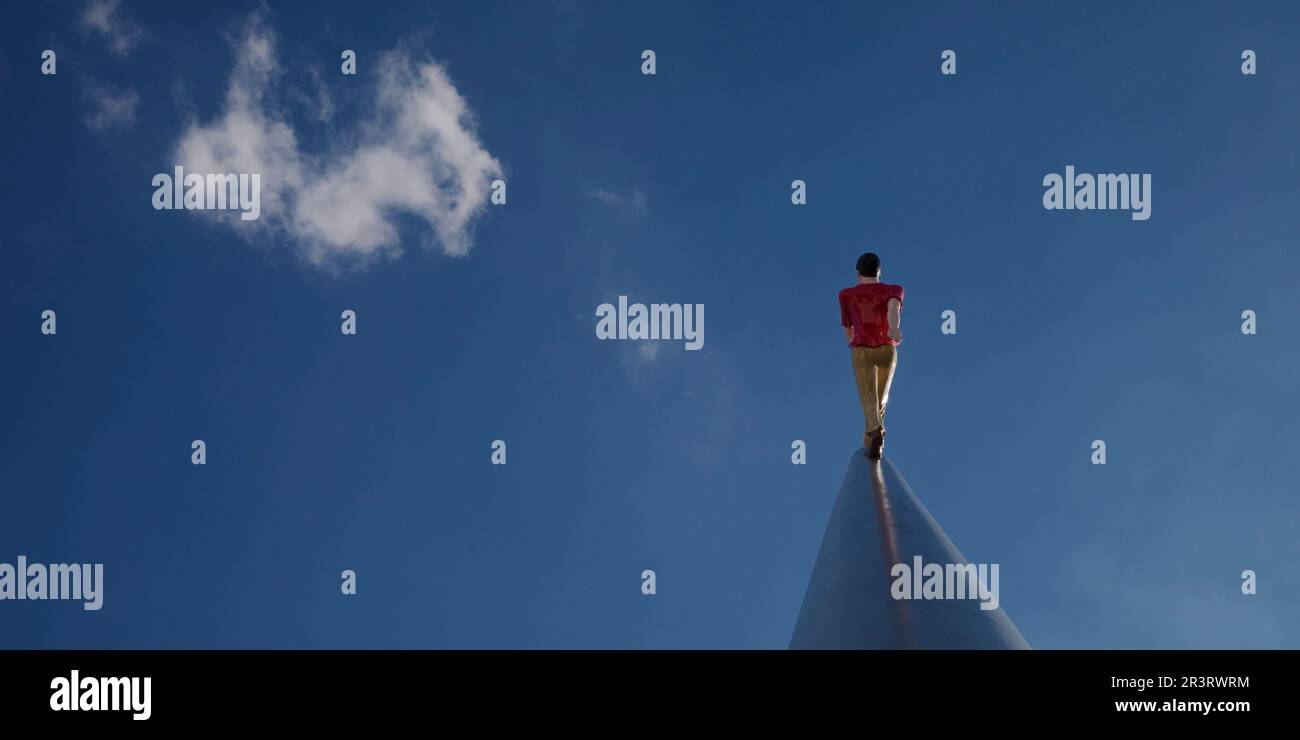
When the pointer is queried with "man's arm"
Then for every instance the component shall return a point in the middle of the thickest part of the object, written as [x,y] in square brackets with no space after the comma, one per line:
[895,311]
[845,321]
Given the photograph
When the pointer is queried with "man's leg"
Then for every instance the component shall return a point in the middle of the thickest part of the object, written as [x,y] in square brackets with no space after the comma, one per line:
[864,374]
[887,361]
[883,359]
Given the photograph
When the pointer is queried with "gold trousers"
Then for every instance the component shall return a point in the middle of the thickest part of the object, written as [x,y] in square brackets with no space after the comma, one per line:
[873,369]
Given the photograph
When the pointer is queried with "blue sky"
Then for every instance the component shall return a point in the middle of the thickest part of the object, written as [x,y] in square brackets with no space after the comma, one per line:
[371,452]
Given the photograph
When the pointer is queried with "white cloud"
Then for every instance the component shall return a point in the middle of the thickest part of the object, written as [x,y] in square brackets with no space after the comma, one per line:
[639,357]
[110,108]
[321,105]
[648,352]
[120,33]
[634,202]
[414,152]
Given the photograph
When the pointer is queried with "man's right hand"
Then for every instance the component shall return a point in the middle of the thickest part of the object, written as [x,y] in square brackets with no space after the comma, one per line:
[896,334]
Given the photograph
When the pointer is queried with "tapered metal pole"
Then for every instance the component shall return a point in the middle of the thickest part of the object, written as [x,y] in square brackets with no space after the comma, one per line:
[876,523]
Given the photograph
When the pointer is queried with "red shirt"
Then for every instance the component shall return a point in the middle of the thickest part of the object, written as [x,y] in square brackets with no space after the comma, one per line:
[865,307]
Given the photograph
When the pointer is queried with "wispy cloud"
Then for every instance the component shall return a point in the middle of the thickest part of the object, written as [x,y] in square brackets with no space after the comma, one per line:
[110,108]
[104,17]
[634,203]
[415,151]
[637,358]
[314,96]
[648,352]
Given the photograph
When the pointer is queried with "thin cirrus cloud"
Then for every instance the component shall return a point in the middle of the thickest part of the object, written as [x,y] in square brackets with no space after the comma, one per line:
[637,358]
[634,203]
[413,152]
[111,108]
[106,19]
[648,352]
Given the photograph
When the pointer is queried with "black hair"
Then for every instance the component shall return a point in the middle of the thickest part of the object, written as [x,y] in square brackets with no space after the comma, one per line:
[869,265]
